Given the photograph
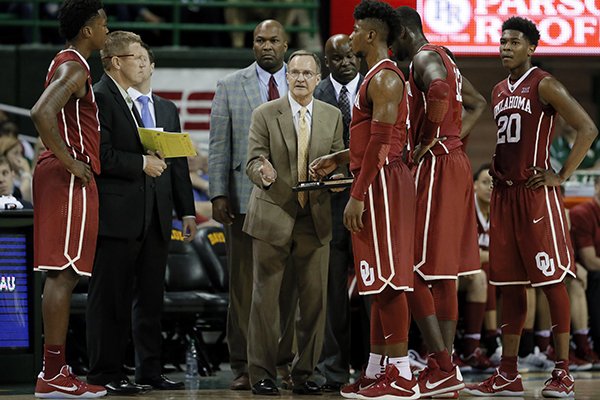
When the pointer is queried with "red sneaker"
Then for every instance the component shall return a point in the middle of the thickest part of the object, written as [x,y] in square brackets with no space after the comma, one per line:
[496,385]
[350,391]
[449,395]
[391,386]
[434,381]
[591,357]
[464,368]
[476,360]
[577,364]
[65,385]
[559,385]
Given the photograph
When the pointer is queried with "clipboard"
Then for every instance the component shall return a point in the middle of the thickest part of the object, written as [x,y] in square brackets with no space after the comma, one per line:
[325,184]
[169,144]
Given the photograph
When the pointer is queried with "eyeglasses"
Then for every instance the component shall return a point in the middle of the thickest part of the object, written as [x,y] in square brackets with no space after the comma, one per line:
[143,59]
[306,74]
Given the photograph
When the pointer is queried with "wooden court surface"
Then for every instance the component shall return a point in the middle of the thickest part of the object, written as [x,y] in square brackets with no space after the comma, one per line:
[587,387]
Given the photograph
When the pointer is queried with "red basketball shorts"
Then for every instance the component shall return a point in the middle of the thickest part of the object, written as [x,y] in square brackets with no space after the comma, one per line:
[446,241]
[383,249]
[529,236]
[65,222]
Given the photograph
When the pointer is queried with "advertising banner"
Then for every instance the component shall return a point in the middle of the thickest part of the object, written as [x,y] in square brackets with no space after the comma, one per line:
[472,27]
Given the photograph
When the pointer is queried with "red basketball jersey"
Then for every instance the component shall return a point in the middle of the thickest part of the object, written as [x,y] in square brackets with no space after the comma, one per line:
[417,103]
[383,249]
[78,122]
[360,128]
[525,127]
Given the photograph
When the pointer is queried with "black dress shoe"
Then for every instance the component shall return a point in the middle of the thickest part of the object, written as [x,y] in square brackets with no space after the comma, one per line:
[307,387]
[161,383]
[265,387]
[331,387]
[122,387]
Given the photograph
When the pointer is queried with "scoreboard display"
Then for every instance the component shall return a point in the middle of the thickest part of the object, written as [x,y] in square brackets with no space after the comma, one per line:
[14,292]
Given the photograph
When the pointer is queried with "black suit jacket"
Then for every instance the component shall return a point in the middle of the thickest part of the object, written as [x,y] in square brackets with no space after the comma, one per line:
[326,92]
[127,195]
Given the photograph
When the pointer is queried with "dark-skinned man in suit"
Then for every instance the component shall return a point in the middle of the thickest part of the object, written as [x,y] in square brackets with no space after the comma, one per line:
[338,89]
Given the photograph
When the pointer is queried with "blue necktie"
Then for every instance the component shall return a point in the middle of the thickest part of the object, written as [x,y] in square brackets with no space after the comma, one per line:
[146,116]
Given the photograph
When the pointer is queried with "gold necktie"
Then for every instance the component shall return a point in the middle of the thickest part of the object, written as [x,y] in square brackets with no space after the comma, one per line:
[302,154]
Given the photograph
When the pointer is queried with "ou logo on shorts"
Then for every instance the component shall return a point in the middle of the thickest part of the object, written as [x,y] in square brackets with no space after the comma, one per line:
[367,273]
[545,263]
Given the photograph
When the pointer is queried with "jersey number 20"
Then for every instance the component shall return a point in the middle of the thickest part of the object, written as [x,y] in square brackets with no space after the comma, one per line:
[509,128]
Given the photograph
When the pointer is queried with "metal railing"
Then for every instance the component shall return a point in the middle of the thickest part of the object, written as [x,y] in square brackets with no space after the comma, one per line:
[176,26]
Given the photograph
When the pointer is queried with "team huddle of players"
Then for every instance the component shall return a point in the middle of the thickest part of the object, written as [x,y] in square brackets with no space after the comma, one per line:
[427,199]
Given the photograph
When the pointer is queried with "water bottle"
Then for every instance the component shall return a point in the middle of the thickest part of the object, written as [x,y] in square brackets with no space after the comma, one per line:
[191,361]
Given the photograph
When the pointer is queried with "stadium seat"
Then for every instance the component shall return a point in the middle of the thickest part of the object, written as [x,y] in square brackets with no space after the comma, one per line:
[192,306]
[212,249]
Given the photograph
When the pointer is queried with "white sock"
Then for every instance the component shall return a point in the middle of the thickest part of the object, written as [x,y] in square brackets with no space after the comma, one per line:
[376,365]
[403,366]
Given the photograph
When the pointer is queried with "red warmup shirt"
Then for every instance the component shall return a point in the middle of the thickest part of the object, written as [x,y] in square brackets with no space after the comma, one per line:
[585,225]
[452,123]
[368,153]
[78,121]
[525,127]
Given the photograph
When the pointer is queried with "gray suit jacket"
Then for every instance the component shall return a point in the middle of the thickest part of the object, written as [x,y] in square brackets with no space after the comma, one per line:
[272,212]
[236,97]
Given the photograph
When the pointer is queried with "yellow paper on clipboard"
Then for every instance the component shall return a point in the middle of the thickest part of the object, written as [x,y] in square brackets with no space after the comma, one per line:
[169,144]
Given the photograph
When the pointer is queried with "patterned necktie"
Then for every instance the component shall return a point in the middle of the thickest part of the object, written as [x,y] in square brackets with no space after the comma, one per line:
[273,92]
[302,154]
[146,116]
[344,106]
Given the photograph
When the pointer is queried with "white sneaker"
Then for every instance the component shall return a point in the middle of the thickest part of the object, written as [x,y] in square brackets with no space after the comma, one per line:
[534,362]
[417,363]
[495,358]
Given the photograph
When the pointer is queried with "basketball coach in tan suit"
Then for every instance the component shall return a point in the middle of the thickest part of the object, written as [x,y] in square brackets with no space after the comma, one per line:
[289,229]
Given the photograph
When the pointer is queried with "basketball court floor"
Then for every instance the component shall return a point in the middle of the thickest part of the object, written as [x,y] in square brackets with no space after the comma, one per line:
[587,387]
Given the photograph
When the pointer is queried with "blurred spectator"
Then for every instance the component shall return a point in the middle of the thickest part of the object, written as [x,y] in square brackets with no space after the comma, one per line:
[11,149]
[9,200]
[133,13]
[562,144]
[199,176]
[20,10]
[287,17]
[10,128]
[585,224]
[194,12]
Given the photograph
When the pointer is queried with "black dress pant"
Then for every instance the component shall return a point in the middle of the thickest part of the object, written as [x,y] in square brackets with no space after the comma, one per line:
[126,292]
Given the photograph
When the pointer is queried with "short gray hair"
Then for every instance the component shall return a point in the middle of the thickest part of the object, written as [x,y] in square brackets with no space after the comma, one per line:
[307,53]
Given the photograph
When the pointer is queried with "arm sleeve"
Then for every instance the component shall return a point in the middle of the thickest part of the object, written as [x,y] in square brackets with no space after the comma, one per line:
[373,159]
[437,108]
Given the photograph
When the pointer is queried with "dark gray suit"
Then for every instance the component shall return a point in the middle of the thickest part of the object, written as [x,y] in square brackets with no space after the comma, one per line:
[134,233]
[335,357]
